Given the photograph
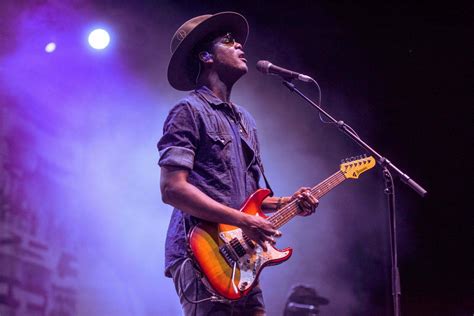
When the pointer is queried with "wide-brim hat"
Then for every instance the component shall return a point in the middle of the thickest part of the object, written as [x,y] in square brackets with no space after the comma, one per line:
[183,67]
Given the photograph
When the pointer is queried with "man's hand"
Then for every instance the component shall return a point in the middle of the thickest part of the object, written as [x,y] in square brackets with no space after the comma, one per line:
[306,202]
[259,230]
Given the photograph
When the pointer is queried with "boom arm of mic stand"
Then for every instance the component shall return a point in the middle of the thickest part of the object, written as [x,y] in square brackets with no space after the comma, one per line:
[343,127]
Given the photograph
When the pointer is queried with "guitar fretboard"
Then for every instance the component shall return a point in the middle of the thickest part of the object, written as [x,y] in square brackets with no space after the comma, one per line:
[290,210]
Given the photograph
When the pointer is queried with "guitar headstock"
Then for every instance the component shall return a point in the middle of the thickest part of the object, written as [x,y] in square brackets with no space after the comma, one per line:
[354,166]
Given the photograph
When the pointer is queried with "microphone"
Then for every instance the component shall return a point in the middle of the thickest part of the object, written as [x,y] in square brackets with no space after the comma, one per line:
[268,68]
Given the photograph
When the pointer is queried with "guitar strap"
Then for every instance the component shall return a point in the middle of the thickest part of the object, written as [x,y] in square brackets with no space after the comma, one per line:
[238,119]
[260,166]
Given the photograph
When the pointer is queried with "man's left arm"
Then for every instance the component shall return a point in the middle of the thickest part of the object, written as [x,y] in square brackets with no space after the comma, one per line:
[306,202]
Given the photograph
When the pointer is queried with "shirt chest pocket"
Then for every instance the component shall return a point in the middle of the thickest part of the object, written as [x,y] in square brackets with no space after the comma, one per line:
[219,138]
[217,151]
[218,143]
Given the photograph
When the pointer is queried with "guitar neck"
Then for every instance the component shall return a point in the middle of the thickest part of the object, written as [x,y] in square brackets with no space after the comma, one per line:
[290,210]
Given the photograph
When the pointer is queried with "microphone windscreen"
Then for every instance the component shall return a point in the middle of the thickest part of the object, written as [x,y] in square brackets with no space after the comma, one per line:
[263,66]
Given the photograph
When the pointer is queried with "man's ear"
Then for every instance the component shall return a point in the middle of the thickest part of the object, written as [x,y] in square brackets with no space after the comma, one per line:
[205,57]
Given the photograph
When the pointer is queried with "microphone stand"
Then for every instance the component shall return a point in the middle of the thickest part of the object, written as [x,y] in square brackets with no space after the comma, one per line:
[389,191]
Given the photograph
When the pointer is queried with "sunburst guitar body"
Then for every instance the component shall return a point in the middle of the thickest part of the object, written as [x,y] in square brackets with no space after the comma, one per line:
[230,261]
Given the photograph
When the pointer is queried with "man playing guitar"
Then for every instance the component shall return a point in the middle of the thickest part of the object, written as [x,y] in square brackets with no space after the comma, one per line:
[210,158]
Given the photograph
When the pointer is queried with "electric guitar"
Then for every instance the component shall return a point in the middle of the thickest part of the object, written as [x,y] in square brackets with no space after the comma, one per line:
[230,261]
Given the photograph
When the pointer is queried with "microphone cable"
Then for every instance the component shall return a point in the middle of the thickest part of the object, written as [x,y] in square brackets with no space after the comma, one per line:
[340,123]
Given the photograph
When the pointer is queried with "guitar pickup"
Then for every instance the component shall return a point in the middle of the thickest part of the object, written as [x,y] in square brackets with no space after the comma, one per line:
[237,246]
[228,255]
[249,242]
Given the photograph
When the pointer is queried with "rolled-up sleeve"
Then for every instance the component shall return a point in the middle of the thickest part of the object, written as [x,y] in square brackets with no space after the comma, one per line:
[178,144]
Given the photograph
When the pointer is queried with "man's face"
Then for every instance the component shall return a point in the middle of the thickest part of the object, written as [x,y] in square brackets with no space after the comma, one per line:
[228,56]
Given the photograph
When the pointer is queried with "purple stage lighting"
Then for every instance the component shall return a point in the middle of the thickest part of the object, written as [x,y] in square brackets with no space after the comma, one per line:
[99,39]
[50,47]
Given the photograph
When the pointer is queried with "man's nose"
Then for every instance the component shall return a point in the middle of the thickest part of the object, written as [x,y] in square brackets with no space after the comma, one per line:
[238,45]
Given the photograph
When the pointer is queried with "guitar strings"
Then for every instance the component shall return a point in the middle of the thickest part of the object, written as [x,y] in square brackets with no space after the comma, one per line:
[289,211]
[285,214]
[282,216]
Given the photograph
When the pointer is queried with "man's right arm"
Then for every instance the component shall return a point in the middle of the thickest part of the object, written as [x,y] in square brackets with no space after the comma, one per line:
[178,192]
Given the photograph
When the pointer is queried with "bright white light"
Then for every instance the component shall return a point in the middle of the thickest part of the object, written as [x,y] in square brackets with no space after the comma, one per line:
[99,39]
[50,47]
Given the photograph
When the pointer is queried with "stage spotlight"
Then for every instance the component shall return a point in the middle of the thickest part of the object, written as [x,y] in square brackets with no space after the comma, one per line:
[50,47]
[99,39]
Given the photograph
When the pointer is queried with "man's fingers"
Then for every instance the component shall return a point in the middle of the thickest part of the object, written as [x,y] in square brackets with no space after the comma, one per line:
[303,189]
[309,201]
[263,241]
[305,203]
[308,206]
[314,200]
[267,231]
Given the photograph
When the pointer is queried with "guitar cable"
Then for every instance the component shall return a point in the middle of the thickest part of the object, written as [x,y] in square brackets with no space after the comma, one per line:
[212,298]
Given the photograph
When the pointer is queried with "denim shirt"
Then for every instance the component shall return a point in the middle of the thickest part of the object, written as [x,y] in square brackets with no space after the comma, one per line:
[217,142]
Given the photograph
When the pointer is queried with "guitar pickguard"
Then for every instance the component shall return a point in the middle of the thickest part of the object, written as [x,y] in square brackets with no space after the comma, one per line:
[247,256]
